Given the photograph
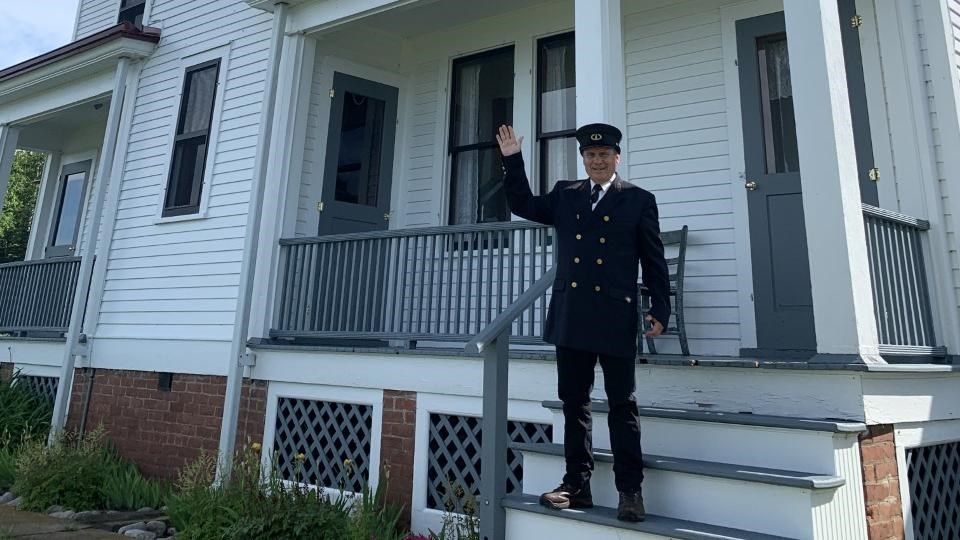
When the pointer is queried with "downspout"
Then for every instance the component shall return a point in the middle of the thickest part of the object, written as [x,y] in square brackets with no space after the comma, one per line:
[238,347]
[73,346]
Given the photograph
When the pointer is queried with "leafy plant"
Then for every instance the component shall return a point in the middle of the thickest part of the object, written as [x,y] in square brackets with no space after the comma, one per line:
[20,202]
[81,473]
[256,505]
[24,413]
[8,469]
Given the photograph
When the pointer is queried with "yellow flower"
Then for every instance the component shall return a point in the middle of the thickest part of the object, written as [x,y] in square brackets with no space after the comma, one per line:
[256,446]
[301,457]
[347,462]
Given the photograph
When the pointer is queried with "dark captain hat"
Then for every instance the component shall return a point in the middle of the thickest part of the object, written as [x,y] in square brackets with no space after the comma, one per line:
[592,135]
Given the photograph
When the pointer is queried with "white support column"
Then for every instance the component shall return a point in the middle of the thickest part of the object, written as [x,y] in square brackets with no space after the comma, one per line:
[601,79]
[839,271]
[8,147]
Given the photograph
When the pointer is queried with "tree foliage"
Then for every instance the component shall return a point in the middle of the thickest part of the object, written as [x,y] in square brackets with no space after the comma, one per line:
[20,202]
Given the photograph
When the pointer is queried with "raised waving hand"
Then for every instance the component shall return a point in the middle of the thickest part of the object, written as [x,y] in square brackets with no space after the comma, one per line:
[508,141]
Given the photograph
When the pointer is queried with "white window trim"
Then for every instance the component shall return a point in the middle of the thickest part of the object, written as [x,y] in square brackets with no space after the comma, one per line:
[46,215]
[223,54]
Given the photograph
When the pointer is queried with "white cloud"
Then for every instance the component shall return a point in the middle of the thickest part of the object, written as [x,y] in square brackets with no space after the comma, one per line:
[33,27]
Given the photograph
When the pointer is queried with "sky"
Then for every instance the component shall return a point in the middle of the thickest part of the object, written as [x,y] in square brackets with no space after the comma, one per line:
[33,27]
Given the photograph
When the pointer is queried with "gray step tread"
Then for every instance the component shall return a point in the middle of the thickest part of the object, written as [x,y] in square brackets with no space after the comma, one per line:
[663,526]
[777,477]
[745,419]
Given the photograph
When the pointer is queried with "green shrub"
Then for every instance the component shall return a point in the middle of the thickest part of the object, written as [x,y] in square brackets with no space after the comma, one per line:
[24,413]
[8,468]
[252,506]
[81,473]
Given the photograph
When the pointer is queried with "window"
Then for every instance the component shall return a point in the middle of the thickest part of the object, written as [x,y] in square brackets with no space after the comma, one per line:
[779,123]
[557,110]
[132,11]
[191,140]
[482,99]
[69,209]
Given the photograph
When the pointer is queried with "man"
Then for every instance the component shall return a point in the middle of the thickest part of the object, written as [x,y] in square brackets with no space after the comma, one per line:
[604,227]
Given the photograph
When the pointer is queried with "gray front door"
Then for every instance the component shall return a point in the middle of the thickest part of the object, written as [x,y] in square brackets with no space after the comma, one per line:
[71,193]
[359,163]
[781,270]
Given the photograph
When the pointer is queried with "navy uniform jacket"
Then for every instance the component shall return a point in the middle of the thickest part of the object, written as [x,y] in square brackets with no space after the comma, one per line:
[594,303]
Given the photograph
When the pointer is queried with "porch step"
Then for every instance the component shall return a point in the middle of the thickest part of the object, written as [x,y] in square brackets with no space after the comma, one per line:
[772,501]
[737,438]
[526,518]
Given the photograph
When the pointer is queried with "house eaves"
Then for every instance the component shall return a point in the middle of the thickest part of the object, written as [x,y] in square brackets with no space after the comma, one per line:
[92,54]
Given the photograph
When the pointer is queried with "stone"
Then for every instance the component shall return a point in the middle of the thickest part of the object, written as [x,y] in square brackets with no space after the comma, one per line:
[66,514]
[138,526]
[16,502]
[7,497]
[164,508]
[172,531]
[87,515]
[156,527]
[140,535]
[54,509]
[146,509]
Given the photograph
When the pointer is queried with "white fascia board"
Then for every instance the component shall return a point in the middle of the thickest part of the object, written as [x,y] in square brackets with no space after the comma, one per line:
[269,5]
[74,67]
[318,16]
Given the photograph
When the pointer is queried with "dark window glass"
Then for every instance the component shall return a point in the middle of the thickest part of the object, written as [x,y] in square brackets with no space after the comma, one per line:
[190,144]
[71,203]
[557,110]
[779,123]
[361,143]
[132,11]
[482,100]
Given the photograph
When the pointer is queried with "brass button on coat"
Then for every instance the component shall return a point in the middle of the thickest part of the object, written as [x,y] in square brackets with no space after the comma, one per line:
[602,240]
[628,299]
[579,237]
[599,261]
[606,218]
[574,284]
[576,260]
[597,288]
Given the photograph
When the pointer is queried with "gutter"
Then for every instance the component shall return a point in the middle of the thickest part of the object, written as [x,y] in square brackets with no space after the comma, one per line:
[76,342]
[238,346]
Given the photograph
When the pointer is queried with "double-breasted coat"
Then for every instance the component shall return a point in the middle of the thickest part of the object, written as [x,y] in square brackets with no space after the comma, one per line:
[594,302]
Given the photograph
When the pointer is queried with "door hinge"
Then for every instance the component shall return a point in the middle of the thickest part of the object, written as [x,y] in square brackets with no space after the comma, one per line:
[333,92]
[320,206]
[874,174]
[856,21]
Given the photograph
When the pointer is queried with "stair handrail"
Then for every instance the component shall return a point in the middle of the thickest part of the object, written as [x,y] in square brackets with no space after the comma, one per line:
[493,343]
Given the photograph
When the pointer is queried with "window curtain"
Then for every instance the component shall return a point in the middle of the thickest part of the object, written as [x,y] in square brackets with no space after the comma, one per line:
[468,163]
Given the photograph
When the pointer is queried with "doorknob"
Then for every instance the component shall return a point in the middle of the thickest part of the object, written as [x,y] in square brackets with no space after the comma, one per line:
[386,216]
[320,206]
[751,185]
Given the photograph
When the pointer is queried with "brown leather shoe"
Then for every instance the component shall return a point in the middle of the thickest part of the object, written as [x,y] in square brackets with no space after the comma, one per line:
[631,507]
[567,496]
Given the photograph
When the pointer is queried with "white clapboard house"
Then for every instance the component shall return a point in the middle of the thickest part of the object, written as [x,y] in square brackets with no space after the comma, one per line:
[285,220]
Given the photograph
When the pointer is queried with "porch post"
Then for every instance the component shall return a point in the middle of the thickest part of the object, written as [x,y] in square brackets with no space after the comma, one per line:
[8,147]
[601,79]
[843,309]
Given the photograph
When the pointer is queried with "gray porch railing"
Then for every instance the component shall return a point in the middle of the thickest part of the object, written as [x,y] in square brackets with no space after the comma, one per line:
[37,295]
[901,295]
[492,342]
[429,284]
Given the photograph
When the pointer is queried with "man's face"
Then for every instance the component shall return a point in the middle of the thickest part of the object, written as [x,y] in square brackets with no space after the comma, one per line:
[600,163]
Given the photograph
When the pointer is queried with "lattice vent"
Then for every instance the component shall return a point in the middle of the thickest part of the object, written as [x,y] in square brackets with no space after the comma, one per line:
[453,473]
[43,386]
[934,474]
[326,434]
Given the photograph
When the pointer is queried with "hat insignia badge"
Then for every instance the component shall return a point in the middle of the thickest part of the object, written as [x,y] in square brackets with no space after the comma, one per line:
[596,137]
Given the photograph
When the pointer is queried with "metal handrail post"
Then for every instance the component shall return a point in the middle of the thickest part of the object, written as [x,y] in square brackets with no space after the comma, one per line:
[493,448]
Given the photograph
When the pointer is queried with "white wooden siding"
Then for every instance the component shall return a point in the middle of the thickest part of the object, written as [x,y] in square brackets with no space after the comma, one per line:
[96,15]
[938,149]
[180,280]
[954,6]
[678,141]
[312,176]
[421,143]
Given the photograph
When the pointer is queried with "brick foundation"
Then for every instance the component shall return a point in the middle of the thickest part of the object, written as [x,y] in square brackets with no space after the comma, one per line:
[396,448]
[6,371]
[161,431]
[881,484]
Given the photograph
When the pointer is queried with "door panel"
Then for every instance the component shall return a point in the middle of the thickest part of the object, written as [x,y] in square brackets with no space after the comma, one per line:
[72,190]
[781,270]
[359,163]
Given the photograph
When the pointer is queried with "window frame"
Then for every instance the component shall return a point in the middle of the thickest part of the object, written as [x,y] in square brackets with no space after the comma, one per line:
[193,62]
[452,149]
[134,5]
[542,137]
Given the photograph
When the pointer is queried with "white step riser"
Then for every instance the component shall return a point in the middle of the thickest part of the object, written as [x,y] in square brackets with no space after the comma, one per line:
[528,526]
[718,501]
[792,449]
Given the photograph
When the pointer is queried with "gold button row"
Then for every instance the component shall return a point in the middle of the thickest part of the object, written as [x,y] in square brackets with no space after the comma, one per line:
[602,239]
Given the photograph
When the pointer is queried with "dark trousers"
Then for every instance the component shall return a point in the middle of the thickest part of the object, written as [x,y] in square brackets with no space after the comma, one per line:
[575,381]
